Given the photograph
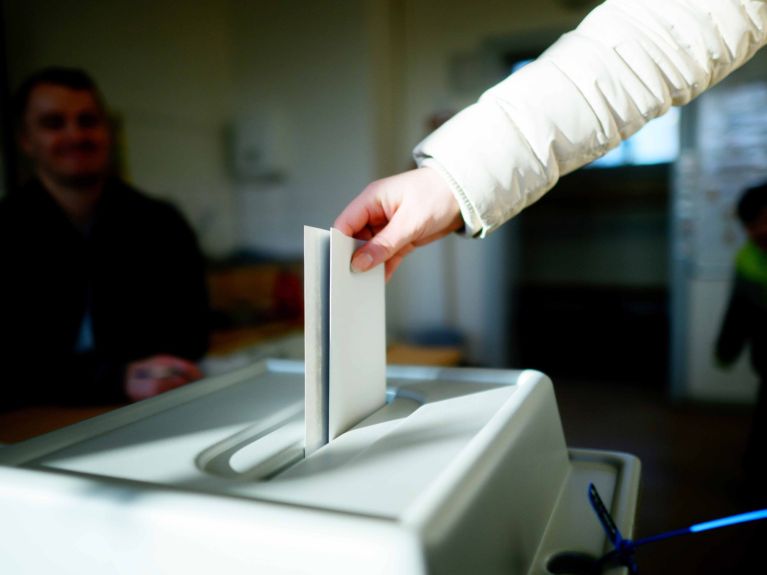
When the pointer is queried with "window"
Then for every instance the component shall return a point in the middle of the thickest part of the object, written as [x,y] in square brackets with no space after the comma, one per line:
[656,143]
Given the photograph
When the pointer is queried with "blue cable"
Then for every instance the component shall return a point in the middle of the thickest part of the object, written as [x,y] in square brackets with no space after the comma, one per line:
[731,520]
[625,548]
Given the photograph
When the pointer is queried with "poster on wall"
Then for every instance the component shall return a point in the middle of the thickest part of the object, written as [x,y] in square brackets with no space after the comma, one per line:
[731,147]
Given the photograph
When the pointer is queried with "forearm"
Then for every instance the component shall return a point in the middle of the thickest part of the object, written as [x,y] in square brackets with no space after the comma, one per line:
[627,63]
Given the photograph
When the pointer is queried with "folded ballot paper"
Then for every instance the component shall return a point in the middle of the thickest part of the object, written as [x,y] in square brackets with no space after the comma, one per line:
[345,331]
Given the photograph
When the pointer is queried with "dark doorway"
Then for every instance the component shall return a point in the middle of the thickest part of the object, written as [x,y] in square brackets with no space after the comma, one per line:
[592,295]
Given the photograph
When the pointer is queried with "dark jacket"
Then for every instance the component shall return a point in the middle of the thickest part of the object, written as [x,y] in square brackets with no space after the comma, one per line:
[139,272]
[745,321]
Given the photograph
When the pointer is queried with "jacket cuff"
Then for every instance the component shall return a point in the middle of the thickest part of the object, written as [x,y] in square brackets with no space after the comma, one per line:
[473,227]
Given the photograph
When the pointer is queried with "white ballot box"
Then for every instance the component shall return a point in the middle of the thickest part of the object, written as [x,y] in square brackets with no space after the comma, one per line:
[462,471]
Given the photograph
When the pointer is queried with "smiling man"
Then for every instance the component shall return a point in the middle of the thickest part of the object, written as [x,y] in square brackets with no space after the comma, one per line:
[102,296]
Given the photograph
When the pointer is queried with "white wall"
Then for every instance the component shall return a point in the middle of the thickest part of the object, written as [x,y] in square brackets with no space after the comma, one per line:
[303,70]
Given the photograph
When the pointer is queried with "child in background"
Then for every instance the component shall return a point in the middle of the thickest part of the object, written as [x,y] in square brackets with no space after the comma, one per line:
[745,322]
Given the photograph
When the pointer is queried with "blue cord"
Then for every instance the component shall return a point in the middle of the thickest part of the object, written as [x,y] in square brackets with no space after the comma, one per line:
[624,548]
[731,520]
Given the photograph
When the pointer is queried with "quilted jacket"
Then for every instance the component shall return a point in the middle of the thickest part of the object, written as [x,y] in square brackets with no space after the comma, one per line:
[625,64]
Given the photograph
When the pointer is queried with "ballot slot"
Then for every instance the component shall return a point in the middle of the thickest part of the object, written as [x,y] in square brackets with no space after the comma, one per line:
[272,446]
[259,451]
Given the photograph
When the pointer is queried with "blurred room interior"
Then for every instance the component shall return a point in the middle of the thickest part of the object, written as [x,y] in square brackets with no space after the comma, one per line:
[257,118]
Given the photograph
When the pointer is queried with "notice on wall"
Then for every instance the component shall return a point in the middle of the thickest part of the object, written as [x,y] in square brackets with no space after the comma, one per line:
[731,155]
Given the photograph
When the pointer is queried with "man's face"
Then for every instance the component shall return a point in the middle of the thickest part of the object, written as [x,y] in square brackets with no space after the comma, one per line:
[757,230]
[65,134]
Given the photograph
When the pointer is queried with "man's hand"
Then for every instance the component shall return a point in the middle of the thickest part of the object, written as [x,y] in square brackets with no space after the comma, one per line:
[398,214]
[154,375]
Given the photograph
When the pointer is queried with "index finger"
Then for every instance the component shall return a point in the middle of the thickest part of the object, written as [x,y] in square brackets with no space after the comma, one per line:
[364,211]
[354,218]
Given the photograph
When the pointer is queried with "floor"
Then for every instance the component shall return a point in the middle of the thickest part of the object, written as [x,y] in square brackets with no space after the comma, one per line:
[690,458]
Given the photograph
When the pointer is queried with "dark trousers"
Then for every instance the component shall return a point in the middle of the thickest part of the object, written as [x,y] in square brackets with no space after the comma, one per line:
[755,456]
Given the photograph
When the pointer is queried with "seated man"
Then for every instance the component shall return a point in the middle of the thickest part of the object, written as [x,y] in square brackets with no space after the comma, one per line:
[103,295]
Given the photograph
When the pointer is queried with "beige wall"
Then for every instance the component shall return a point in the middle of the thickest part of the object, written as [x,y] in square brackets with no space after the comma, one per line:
[303,85]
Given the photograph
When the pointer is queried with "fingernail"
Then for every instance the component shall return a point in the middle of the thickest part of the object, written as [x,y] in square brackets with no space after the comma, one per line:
[362,262]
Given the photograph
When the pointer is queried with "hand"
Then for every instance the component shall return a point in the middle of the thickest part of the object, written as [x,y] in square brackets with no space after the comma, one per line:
[398,214]
[154,375]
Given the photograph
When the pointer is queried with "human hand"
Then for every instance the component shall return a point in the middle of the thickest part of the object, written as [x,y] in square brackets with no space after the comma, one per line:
[398,214]
[154,375]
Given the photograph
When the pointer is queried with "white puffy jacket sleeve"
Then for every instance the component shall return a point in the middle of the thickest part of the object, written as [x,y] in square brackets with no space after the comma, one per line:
[625,64]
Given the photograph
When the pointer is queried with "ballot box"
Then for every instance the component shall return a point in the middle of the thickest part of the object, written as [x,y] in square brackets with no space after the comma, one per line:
[461,471]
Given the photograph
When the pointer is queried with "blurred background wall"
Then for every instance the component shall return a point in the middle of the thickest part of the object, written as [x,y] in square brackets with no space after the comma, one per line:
[257,118]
